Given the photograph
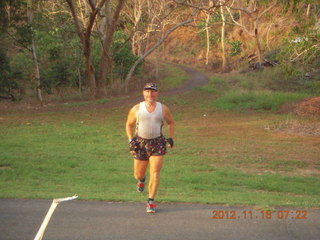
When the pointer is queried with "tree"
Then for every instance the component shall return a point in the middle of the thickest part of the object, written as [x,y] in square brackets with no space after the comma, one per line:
[128,77]
[17,19]
[158,22]
[223,30]
[105,28]
[208,7]
[30,14]
[106,33]
[254,15]
[6,83]
[84,29]
[137,36]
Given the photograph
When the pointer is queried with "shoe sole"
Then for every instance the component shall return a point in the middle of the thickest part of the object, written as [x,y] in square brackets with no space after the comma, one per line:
[138,189]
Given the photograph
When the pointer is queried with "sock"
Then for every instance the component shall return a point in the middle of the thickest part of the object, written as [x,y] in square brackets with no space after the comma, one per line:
[150,200]
[142,180]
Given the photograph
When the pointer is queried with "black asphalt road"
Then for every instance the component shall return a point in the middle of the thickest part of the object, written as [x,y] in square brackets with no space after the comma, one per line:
[91,220]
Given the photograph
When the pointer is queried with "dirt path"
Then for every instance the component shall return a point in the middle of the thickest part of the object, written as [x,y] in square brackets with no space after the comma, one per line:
[196,79]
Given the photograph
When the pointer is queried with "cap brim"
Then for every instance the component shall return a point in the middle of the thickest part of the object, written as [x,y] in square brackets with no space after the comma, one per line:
[154,89]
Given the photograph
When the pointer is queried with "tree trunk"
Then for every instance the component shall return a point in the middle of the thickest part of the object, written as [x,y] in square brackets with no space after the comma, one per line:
[105,72]
[137,12]
[34,53]
[36,71]
[308,10]
[84,33]
[89,68]
[257,38]
[102,77]
[207,38]
[107,30]
[79,80]
[223,28]
[90,75]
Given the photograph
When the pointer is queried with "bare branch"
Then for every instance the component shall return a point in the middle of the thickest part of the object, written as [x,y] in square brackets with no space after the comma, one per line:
[243,10]
[18,41]
[250,13]
[152,49]
[239,24]
[303,52]
[266,10]
[117,11]
[79,25]
[213,5]
[91,4]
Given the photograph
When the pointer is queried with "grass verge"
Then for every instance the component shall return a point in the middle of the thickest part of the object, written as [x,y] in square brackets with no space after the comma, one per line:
[256,100]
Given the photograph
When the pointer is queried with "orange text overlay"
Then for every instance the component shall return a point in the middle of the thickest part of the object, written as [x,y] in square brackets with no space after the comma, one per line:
[262,214]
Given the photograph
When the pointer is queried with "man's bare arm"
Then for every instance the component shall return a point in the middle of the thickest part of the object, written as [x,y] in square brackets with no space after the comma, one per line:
[131,121]
[169,120]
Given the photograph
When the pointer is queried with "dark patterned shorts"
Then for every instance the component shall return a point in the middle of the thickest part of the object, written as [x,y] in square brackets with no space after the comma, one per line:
[150,147]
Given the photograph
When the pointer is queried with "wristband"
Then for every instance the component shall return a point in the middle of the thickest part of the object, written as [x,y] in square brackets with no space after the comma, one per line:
[170,141]
[133,144]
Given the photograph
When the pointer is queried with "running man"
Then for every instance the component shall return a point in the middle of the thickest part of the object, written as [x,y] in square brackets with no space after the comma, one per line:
[148,146]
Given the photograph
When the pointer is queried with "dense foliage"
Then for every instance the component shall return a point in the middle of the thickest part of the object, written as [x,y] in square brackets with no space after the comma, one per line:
[289,33]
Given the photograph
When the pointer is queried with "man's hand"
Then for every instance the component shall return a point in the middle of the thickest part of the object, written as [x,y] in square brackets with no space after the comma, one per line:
[133,145]
[170,142]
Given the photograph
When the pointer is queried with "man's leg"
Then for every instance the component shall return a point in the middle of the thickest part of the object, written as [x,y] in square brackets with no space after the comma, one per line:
[155,168]
[140,168]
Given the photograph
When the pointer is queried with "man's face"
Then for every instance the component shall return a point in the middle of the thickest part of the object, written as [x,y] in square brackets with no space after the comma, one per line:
[150,95]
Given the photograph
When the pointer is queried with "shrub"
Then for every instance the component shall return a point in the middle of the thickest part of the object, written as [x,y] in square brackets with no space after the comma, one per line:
[235,48]
[123,56]
[7,77]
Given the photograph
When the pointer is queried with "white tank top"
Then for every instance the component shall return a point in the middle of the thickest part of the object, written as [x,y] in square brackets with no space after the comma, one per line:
[149,125]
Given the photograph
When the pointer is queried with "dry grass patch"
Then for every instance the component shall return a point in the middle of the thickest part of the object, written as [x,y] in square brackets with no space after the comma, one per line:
[242,142]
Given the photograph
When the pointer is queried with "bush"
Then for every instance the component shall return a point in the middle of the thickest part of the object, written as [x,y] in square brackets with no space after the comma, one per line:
[236,48]
[123,57]
[57,76]
[297,56]
[7,77]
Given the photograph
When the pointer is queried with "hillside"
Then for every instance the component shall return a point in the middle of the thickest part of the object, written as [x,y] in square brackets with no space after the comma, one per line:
[63,50]
[277,30]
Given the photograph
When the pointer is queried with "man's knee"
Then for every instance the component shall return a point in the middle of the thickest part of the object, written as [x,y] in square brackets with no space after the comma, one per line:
[138,176]
[156,175]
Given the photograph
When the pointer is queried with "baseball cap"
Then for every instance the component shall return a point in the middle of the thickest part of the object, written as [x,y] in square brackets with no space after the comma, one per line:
[151,86]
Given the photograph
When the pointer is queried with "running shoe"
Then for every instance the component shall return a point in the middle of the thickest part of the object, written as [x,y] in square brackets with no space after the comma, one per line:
[151,208]
[140,186]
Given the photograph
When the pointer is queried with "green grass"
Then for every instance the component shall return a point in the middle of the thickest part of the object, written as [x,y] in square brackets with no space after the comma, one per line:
[86,103]
[219,157]
[69,156]
[174,77]
[256,100]
[234,187]
[215,86]
[56,155]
